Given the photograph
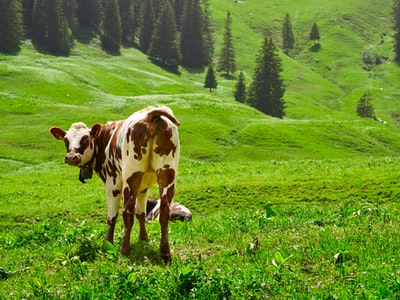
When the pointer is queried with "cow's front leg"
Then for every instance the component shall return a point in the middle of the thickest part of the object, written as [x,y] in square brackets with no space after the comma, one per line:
[130,191]
[166,185]
[113,199]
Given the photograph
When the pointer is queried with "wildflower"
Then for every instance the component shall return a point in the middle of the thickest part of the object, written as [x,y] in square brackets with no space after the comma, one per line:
[263,284]
[398,272]
[319,282]
[145,257]
[265,296]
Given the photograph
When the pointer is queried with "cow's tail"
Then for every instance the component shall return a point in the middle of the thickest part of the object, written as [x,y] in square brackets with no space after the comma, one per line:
[162,111]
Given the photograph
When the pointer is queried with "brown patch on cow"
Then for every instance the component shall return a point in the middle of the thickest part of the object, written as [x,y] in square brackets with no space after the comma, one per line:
[83,144]
[158,128]
[165,177]
[116,193]
[142,220]
[139,136]
[111,226]
[164,144]
[130,192]
[103,135]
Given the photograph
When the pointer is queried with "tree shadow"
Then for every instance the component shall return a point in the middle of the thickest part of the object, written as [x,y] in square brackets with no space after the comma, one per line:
[315,47]
[85,35]
[199,70]
[169,68]
[228,77]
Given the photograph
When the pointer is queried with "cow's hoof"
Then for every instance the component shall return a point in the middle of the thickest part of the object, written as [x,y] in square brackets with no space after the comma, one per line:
[125,251]
[166,258]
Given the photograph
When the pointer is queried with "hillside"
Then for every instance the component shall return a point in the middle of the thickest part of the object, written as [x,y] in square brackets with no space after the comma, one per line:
[323,87]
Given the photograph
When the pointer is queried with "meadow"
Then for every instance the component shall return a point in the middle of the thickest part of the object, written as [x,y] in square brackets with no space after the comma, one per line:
[300,208]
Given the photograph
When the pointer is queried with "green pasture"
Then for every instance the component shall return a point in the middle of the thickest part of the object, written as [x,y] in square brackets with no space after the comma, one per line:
[300,208]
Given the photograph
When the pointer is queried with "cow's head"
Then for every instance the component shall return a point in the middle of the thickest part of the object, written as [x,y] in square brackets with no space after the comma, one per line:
[78,141]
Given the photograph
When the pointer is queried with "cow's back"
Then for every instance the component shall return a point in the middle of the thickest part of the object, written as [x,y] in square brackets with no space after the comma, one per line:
[149,140]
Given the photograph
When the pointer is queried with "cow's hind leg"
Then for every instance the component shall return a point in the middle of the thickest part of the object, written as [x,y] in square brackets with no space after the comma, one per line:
[141,213]
[130,191]
[166,184]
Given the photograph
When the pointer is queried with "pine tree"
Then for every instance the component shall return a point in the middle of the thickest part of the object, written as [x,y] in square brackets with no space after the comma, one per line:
[146,30]
[178,9]
[11,30]
[267,90]
[126,13]
[39,24]
[59,39]
[227,62]
[112,33]
[89,13]
[240,91]
[164,45]
[27,12]
[364,106]
[396,28]
[208,41]
[70,7]
[210,81]
[287,35]
[192,43]
[314,34]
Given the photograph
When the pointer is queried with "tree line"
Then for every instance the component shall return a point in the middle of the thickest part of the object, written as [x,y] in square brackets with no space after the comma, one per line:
[171,32]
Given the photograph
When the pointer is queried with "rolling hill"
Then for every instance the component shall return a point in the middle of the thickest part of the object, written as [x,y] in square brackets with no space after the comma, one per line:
[323,87]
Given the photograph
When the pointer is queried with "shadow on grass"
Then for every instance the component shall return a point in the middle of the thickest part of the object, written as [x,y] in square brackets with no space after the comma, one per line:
[144,252]
[315,48]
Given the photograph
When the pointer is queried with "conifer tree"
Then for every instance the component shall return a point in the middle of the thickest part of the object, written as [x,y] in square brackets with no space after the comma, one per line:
[287,35]
[210,81]
[208,41]
[11,30]
[59,39]
[178,9]
[126,13]
[240,89]
[192,43]
[396,28]
[314,34]
[70,7]
[227,61]
[112,33]
[364,106]
[27,12]
[89,13]
[164,45]
[148,21]
[39,24]
[267,90]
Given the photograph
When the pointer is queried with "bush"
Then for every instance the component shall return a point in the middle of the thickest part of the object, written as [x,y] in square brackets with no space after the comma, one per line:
[370,56]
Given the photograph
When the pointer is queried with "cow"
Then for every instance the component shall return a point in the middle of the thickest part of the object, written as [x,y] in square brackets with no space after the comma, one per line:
[177,211]
[129,156]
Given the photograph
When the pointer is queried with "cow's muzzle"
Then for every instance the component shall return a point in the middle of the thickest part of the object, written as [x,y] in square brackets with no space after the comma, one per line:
[73,159]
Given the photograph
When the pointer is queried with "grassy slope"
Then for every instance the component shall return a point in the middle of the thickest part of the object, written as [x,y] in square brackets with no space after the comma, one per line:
[321,168]
[38,91]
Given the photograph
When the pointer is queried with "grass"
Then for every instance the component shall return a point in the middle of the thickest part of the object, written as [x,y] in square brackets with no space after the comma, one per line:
[304,207]
[310,229]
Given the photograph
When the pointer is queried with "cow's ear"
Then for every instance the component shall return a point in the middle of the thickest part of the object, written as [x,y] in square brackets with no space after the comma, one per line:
[96,128]
[57,132]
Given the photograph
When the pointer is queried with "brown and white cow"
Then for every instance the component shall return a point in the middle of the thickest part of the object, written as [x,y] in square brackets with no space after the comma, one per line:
[177,211]
[129,156]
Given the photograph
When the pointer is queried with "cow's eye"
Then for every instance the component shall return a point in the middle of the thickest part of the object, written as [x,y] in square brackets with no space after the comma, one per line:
[84,143]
